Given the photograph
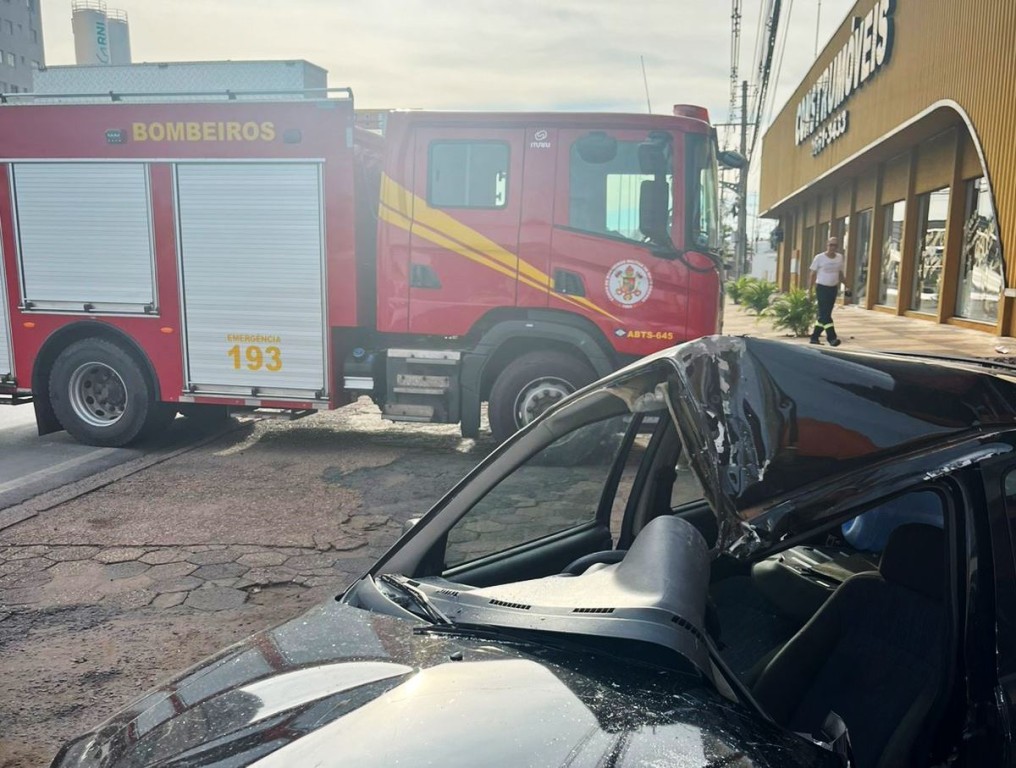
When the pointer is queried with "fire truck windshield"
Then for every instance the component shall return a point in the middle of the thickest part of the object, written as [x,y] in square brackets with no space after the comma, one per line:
[703,230]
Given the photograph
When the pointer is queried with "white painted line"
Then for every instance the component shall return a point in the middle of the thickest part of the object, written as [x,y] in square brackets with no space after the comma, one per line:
[98,453]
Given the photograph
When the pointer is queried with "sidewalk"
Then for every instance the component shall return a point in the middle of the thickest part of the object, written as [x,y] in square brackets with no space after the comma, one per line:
[873,330]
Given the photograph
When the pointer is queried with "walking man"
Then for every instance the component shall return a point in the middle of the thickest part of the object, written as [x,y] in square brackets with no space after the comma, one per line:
[826,276]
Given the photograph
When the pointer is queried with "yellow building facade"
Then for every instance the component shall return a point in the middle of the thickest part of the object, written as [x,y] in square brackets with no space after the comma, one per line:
[900,141]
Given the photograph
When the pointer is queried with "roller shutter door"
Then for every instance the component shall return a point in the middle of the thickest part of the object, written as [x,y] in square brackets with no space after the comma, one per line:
[252,276]
[85,236]
[6,353]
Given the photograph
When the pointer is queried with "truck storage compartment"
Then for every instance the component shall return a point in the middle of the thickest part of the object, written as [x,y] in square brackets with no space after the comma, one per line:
[6,350]
[252,274]
[84,233]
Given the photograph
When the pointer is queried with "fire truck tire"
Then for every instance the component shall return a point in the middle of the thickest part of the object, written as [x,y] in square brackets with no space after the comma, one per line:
[531,384]
[101,396]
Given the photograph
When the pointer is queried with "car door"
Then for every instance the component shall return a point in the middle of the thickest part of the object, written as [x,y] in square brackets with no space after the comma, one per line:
[465,229]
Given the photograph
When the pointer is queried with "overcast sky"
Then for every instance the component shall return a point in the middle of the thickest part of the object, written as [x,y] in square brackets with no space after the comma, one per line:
[478,54]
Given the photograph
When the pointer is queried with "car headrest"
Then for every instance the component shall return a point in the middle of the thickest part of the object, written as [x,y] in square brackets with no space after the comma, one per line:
[914,557]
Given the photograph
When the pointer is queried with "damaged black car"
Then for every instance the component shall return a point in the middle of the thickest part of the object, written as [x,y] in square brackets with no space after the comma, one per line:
[736,552]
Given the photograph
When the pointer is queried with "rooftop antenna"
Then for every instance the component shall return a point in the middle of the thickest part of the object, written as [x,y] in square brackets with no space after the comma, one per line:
[645,81]
[818,20]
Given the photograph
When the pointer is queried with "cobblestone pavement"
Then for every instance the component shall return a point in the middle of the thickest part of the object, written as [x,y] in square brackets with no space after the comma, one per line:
[104,596]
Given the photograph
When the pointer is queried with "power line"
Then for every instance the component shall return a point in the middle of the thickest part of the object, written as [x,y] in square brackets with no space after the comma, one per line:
[782,45]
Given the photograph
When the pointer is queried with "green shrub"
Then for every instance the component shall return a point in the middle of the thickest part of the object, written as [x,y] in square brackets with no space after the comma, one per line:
[735,288]
[756,295]
[794,311]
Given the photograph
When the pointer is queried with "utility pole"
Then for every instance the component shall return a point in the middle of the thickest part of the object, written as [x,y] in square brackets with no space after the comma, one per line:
[741,249]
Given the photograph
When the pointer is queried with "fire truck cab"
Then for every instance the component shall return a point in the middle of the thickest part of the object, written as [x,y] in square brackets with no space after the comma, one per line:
[201,255]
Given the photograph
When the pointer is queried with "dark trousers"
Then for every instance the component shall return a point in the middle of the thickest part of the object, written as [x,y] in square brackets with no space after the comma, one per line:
[826,297]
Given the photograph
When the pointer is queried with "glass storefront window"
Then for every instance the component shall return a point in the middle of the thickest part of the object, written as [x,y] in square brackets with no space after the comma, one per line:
[822,235]
[932,213]
[982,276]
[892,256]
[863,230]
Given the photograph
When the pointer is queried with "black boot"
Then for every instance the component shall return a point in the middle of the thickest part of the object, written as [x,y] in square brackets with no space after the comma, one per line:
[816,335]
[831,336]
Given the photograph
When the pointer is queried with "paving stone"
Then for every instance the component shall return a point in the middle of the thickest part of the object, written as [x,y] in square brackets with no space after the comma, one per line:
[163,556]
[220,571]
[486,526]
[310,562]
[25,580]
[210,557]
[352,553]
[130,601]
[323,581]
[184,584]
[28,565]
[277,575]
[67,554]
[23,553]
[170,571]
[245,549]
[19,596]
[262,559]
[119,554]
[126,570]
[215,599]
[368,522]
[169,599]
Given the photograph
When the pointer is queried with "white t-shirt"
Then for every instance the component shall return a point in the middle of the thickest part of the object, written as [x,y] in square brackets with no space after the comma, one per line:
[827,268]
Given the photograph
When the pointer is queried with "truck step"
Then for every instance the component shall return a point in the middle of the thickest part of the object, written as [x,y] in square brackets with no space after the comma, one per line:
[283,414]
[408,412]
[12,397]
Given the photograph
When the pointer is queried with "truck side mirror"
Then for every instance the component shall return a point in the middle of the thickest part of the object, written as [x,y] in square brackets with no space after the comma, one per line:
[654,208]
[731,159]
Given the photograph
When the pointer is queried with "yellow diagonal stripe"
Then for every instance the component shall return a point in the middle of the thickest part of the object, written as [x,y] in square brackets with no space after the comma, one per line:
[401,207]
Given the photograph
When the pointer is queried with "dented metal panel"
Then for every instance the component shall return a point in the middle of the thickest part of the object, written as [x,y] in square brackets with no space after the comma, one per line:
[765,419]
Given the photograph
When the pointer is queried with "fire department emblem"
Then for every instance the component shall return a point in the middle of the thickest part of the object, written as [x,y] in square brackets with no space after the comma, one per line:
[629,283]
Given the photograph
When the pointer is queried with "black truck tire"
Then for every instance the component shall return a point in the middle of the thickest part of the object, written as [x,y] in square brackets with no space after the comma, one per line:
[101,396]
[529,385]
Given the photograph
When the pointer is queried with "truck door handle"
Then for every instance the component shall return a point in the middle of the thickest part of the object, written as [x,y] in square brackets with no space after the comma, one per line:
[568,283]
[423,276]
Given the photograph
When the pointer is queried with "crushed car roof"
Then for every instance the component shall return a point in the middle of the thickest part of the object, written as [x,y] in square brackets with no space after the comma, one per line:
[763,418]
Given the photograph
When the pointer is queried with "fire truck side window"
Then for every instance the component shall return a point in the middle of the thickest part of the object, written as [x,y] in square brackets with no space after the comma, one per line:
[604,189]
[468,174]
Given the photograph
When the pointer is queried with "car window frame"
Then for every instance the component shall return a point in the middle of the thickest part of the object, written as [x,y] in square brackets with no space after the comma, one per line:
[601,518]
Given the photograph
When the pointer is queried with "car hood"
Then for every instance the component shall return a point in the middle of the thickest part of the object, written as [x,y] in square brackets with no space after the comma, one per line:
[766,421]
[344,686]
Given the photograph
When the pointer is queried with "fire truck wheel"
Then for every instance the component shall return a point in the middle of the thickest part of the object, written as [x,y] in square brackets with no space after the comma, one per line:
[530,385]
[100,394]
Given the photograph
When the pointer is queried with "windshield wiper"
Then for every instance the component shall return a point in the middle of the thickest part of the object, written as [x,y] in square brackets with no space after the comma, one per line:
[414,598]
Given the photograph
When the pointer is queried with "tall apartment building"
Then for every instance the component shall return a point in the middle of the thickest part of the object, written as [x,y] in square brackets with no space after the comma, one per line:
[21,48]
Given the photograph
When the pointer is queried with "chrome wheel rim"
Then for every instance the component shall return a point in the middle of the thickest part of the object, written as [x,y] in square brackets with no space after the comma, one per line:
[539,395]
[98,395]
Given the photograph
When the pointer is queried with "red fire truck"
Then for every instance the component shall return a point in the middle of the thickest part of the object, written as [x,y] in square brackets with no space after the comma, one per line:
[192,256]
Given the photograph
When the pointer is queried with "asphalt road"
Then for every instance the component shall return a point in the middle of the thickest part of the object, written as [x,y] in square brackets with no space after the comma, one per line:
[30,464]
